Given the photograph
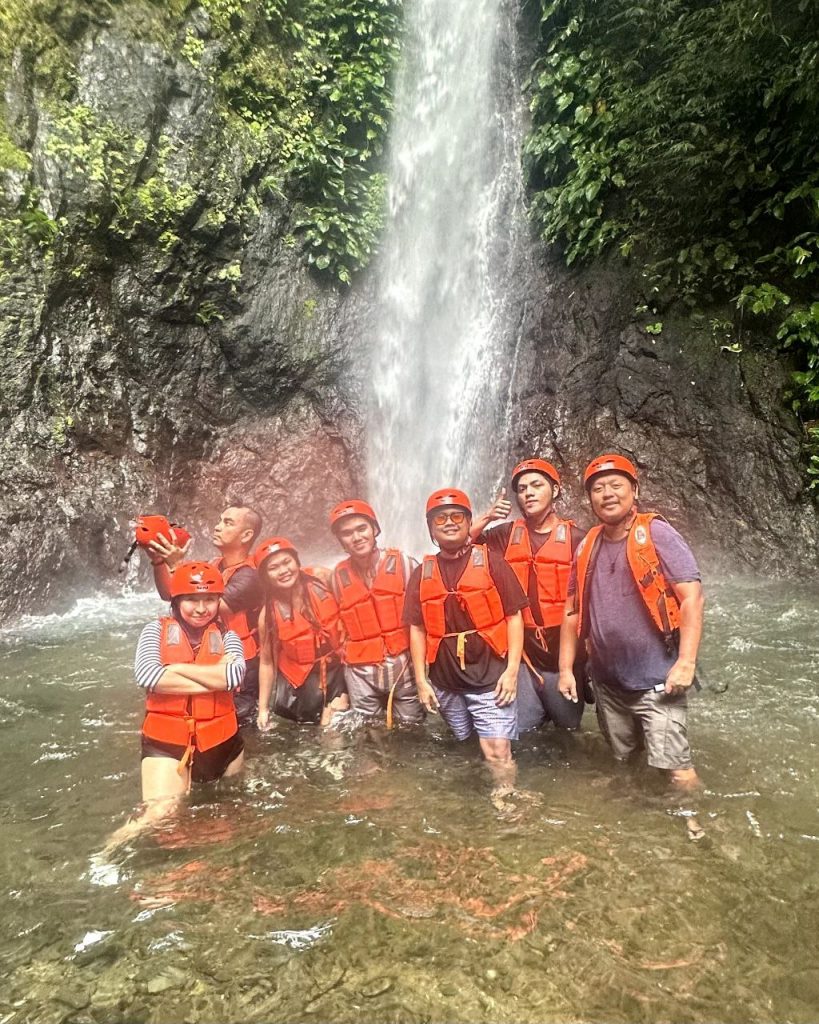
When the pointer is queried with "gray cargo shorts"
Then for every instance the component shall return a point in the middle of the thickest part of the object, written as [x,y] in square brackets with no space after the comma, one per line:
[369,689]
[633,719]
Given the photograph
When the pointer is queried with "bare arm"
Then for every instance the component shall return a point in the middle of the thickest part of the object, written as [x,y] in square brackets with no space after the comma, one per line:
[566,682]
[165,556]
[162,579]
[507,686]
[692,603]
[267,672]
[418,653]
[499,511]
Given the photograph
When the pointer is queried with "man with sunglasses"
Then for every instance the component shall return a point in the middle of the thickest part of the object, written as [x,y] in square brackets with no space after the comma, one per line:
[463,607]
[369,586]
[539,546]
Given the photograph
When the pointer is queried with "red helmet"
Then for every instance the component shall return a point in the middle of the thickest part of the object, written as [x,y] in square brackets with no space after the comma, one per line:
[535,466]
[353,507]
[611,463]
[450,496]
[272,546]
[149,528]
[196,578]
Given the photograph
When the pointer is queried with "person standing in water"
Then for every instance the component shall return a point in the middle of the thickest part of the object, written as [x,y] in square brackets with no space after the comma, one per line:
[233,536]
[539,547]
[189,666]
[635,597]
[299,634]
[369,586]
[463,607]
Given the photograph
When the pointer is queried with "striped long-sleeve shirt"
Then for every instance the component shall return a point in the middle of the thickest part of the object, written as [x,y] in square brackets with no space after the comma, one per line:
[148,667]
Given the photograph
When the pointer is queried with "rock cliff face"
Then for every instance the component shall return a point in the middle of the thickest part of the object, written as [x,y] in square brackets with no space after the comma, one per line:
[175,373]
[718,452]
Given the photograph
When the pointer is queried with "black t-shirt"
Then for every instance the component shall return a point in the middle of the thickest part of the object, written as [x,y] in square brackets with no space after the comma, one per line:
[483,666]
[243,593]
[543,652]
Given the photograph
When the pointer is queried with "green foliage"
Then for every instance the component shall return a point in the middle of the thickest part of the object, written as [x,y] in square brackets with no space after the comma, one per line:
[683,134]
[312,81]
[301,103]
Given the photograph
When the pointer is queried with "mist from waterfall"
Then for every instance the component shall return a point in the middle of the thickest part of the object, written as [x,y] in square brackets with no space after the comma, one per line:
[446,335]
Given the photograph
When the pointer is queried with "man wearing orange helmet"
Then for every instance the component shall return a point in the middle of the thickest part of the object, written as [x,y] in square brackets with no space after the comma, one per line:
[300,667]
[635,596]
[463,607]
[233,536]
[369,586]
[539,548]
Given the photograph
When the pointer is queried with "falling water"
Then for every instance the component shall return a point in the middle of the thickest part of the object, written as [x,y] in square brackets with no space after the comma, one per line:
[447,329]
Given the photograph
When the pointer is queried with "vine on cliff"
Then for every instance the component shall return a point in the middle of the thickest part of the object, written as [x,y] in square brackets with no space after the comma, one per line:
[683,134]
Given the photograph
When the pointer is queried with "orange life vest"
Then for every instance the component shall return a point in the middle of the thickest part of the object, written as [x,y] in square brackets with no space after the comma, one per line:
[238,621]
[299,640]
[477,595]
[372,616]
[644,562]
[202,720]
[552,565]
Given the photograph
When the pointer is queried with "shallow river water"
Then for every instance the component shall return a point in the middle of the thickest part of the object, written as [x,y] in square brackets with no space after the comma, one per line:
[368,878]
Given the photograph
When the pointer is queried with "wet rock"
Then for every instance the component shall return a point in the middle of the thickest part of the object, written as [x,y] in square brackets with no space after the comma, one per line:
[142,376]
[376,988]
[169,978]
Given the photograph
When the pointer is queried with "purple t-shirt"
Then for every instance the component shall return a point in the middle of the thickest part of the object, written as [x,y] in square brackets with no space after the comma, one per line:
[627,648]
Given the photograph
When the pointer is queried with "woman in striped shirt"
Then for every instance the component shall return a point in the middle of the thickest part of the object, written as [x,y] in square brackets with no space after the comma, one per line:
[189,666]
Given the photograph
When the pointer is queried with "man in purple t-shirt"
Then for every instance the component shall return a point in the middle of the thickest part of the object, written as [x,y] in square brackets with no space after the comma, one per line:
[635,597]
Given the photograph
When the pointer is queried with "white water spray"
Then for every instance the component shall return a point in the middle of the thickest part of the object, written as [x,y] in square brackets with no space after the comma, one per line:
[447,330]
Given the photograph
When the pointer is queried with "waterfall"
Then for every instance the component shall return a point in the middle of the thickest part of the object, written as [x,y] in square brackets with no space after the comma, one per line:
[446,329]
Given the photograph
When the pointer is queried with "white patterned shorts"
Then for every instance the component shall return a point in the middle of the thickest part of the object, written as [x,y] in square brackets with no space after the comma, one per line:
[466,713]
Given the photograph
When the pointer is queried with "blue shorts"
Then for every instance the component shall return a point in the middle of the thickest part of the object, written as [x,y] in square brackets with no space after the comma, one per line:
[466,713]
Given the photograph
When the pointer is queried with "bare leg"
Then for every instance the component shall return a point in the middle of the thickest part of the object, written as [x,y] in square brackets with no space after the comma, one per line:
[162,789]
[341,703]
[498,756]
[686,780]
[235,766]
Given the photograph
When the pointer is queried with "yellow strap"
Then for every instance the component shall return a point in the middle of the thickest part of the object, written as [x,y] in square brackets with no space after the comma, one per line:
[390,700]
[187,757]
[460,648]
[391,697]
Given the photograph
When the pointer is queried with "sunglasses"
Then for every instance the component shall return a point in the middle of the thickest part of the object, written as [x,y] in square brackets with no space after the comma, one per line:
[441,517]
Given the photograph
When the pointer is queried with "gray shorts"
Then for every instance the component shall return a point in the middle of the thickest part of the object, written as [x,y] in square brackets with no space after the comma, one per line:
[466,713]
[369,689]
[633,719]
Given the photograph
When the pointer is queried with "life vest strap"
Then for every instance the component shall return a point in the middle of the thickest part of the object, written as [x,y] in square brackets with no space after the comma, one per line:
[460,649]
[391,697]
[528,661]
[187,758]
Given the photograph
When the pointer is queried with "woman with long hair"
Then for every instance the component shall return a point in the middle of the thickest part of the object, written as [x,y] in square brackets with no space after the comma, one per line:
[299,636]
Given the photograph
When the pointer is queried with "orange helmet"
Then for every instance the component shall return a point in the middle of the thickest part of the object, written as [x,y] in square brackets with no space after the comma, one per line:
[611,463]
[535,466]
[196,578]
[149,528]
[272,546]
[450,496]
[353,507]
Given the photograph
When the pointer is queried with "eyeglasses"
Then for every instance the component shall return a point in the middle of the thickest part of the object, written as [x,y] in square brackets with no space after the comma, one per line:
[441,517]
